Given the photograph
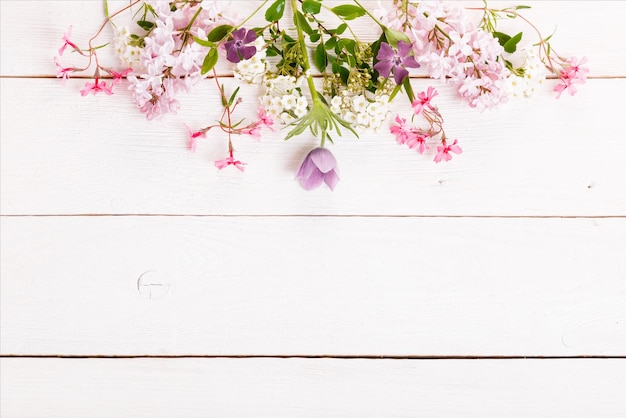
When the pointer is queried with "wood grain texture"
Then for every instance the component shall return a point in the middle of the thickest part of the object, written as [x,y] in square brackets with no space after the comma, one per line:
[313,286]
[275,388]
[98,155]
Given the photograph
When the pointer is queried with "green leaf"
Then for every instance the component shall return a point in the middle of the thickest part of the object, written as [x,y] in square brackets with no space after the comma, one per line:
[393,36]
[348,11]
[302,22]
[210,60]
[311,6]
[204,42]
[511,45]
[502,37]
[275,11]
[145,24]
[341,29]
[330,44]
[233,97]
[319,57]
[521,7]
[314,37]
[218,33]
[106,9]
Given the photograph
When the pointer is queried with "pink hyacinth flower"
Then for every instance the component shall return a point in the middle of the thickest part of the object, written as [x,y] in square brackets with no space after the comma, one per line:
[230,161]
[443,151]
[319,166]
[98,86]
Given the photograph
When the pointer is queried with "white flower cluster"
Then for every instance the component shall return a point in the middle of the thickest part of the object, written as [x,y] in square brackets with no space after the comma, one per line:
[534,75]
[283,99]
[128,54]
[252,71]
[361,112]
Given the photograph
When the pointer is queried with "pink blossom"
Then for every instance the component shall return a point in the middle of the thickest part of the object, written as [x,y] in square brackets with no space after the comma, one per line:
[63,72]
[193,136]
[572,73]
[66,40]
[443,151]
[418,140]
[254,131]
[229,161]
[423,99]
[117,77]
[402,132]
[98,86]
[266,119]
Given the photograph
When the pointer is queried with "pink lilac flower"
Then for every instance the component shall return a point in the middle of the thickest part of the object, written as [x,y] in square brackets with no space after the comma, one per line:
[443,151]
[418,140]
[63,72]
[193,136]
[230,161]
[266,119]
[66,40]
[319,166]
[390,60]
[402,132]
[423,100]
[98,86]
[236,48]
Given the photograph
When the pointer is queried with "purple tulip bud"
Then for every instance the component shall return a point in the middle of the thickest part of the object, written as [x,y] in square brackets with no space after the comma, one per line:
[319,166]
[236,48]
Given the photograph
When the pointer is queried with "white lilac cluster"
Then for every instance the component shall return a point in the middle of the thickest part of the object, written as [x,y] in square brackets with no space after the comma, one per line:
[533,74]
[467,57]
[359,111]
[253,70]
[169,61]
[128,53]
[283,99]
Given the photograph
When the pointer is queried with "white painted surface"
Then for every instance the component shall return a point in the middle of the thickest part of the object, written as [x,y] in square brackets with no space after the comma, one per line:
[301,275]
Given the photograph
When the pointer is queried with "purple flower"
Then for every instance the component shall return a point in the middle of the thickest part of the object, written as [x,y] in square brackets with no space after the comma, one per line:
[236,48]
[389,59]
[318,166]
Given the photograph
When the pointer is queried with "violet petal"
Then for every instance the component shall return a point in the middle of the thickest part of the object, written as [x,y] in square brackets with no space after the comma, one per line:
[323,159]
[312,181]
[331,178]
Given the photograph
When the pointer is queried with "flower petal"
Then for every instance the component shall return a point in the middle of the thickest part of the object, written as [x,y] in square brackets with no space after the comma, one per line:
[331,178]
[323,159]
[383,68]
[313,181]
[399,74]
[385,52]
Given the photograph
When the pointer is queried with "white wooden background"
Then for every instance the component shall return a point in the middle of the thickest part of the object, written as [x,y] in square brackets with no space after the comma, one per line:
[137,280]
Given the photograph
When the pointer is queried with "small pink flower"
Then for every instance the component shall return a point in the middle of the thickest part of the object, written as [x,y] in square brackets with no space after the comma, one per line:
[423,100]
[572,73]
[98,86]
[443,151]
[254,131]
[63,72]
[193,136]
[229,161]
[418,140]
[402,132]
[66,40]
[117,77]
[266,119]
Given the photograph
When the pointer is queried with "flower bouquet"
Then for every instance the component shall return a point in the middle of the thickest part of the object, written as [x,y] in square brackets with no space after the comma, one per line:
[174,45]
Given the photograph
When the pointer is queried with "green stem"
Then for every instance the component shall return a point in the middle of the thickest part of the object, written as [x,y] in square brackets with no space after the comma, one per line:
[306,66]
[383,27]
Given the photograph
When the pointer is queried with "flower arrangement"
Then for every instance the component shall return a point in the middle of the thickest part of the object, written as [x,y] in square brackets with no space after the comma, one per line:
[176,44]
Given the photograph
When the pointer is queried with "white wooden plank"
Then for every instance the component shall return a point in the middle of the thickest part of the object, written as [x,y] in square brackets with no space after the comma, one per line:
[277,388]
[312,285]
[600,41]
[64,154]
